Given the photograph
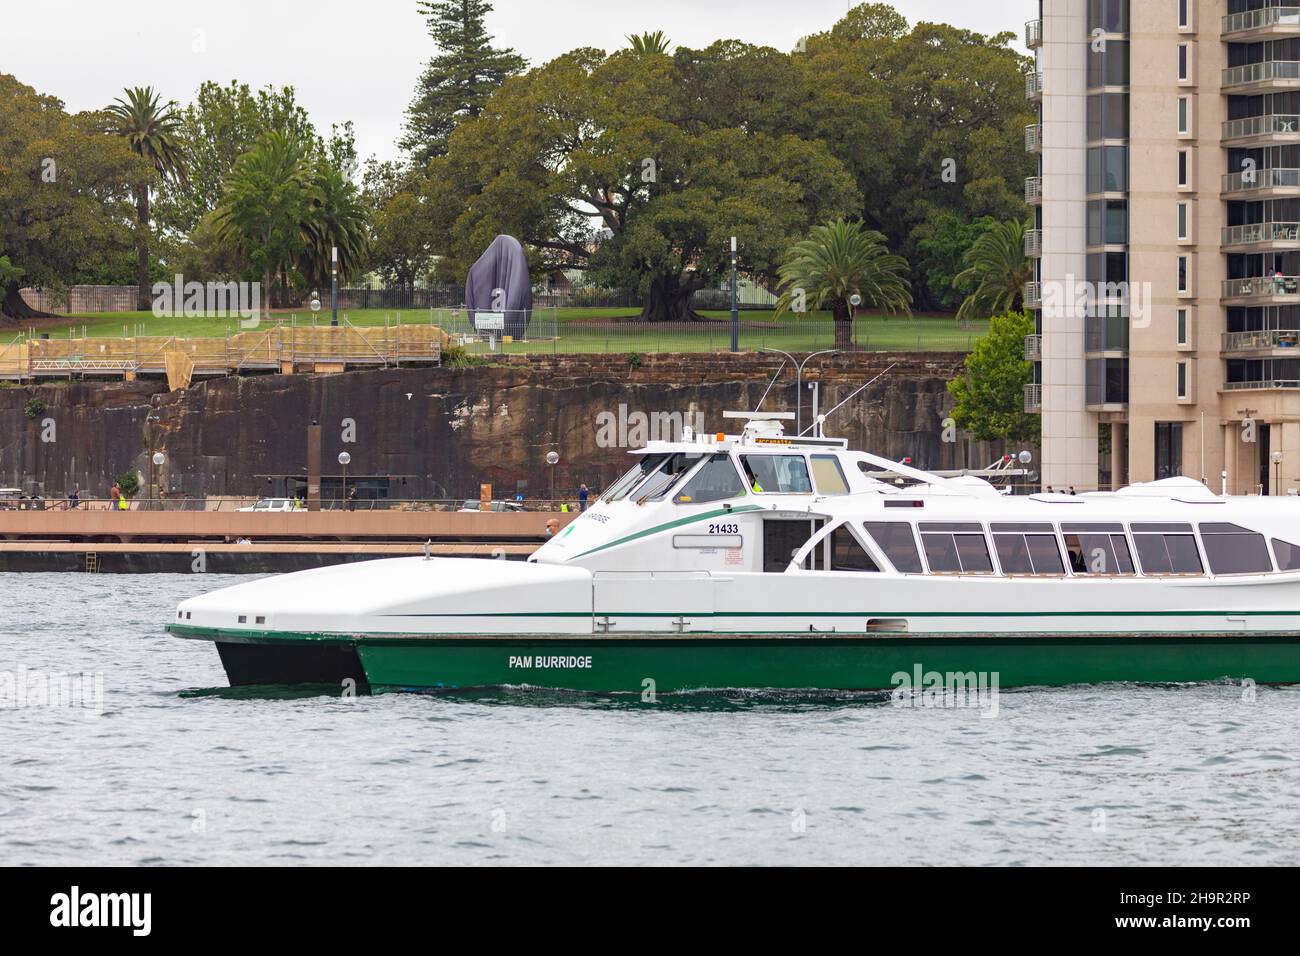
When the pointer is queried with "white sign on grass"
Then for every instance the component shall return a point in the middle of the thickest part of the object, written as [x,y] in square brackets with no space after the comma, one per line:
[490,321]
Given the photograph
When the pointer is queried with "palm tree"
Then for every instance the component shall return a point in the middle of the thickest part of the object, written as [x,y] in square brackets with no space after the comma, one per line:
[997,264]
[649,42]
[336,219]
[151,131]
[269,196]
[838,261]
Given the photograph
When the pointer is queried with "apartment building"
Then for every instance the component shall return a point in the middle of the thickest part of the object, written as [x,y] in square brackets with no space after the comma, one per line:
[1166,242]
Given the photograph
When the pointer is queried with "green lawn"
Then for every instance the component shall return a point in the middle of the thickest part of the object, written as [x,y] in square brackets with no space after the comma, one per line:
[582,330]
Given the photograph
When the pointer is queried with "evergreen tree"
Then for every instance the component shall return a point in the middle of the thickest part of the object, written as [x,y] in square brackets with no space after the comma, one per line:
[458,81]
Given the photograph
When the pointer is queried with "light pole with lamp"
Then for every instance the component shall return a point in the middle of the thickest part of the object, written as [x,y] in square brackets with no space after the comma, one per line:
[334,285]
[345,459]
[552,459]
[1276,458]
[798,381]
[155,463]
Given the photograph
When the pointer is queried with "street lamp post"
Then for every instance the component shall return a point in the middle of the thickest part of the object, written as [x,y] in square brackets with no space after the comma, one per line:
[552,459]
[735,310]
[345,459]
[334,285]
[798,381]
[1277,472]
[154,464]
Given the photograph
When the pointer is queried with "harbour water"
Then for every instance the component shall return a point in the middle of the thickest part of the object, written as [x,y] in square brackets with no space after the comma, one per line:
[173,767]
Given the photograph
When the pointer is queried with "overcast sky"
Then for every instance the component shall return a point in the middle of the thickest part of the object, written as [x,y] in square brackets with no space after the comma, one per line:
[360,60]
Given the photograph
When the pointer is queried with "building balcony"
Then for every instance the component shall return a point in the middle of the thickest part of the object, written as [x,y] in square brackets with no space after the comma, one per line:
[1274,235]
[1034,34]
[1034,190]
[1033,295]
[1033,348]
[1033,399]
[1271,128]
[1034,138]
[1033,243]
[1270,21]
[1268,75]
[1285,342]
[1265,384]
[1262,183]
[1033,86]
[1262,290]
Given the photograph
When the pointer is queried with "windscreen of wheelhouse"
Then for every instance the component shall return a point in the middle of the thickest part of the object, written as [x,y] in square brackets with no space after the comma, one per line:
[659,484]
[621,488]
[777,474]
[715,481]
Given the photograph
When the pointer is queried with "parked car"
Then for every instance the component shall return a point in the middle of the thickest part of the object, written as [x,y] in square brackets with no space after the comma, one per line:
[474,505]
[275,504]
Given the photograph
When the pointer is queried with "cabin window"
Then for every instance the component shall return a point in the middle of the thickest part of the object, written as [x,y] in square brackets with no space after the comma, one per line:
[1097,549]
[897,541]
[1028,553]
[847,554]
[1167,549]
[715,481]
[621,488]
[1288,555]
[1232,549]
[957,548]
[658,485]
[829,475]
[777,474]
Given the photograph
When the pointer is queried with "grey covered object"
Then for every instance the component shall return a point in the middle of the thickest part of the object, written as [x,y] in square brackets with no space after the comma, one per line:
[499,282]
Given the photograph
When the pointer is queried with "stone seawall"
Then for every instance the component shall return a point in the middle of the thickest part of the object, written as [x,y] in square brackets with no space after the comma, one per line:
[440,432]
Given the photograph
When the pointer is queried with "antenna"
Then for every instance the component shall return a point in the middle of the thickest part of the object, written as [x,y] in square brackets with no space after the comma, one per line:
[852,395]
[779,369]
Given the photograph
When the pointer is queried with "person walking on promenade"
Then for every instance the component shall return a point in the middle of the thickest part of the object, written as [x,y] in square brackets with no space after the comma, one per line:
[114,496]
[74,499]
[583,494]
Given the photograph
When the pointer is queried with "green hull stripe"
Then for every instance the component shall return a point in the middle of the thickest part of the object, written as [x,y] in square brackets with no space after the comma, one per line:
[671,524]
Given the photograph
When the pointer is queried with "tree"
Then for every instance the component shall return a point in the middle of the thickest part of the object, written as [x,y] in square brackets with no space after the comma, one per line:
[649,42]
[990,394]
[271,192]
[638,170]
[216,129]
[837,261]
[926,119]
[458,81]
[336,219]
[65,195]
[996,265]
[945,240]
[150,130]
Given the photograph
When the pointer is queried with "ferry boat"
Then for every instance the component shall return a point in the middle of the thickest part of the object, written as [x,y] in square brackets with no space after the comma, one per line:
[761,560]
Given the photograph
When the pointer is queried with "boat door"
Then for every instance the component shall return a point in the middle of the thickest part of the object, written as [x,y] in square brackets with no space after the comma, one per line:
[784,536]
[678,601]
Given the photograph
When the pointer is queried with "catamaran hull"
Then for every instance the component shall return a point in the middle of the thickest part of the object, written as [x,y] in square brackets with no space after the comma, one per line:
[636,663]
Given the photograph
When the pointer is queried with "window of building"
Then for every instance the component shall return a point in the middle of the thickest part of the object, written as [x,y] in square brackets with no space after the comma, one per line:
[1182,380]
[897,542]
[1097,549]
[777,474]
[847,553]
[1107,222]
[956,548]
[1110,16]
[1108,169]
[1184,180]
[1108,64]
[1182,221]
[1182,273]
[1183,15]
[1184,115]
[1108,116]
[1287,554]
[1232,549]
[1027,549]
[715,481]
[1167,549]
[1182,326]
[1169,449]
[1183,73]
[829,476]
